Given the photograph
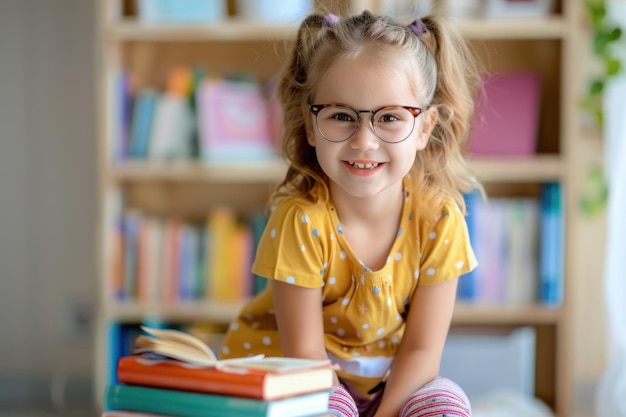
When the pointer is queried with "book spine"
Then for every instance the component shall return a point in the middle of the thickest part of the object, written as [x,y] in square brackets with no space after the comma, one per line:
[170,377]
[551,256]
[467,283]
[179,403]
[257,225]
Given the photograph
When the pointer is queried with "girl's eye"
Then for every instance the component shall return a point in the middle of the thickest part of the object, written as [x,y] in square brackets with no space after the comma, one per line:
[388,118]
[343,117]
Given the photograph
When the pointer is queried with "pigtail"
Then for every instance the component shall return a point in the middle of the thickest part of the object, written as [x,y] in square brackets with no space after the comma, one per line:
[442,165]
[304,172]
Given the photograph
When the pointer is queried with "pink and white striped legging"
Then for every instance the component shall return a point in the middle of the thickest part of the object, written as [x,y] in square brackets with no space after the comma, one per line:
[441,397]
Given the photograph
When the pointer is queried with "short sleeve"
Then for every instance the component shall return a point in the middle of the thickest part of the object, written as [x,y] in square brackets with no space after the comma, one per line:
[446,250]
[291,248]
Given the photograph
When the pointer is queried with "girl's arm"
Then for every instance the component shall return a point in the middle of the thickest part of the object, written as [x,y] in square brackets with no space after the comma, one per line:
[419,355]
[300,321]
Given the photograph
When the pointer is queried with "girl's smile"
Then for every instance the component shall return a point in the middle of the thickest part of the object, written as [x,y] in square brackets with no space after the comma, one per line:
[364,168]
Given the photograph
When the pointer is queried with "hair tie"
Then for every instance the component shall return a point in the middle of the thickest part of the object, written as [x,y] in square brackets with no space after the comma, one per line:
[418,27]
[331,19]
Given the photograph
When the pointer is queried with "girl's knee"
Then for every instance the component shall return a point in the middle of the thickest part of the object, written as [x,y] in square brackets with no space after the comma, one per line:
[341,404]
[441,397]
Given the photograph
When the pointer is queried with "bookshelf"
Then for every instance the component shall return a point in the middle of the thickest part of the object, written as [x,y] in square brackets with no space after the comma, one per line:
[189,188]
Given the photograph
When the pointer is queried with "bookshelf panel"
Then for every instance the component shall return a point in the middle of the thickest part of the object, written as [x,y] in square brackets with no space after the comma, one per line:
[189,189]
[213,312]
[193,200]
[150,63]
[540,168]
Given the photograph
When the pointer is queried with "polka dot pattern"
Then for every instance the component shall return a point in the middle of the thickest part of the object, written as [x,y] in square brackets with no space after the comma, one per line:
[363,315]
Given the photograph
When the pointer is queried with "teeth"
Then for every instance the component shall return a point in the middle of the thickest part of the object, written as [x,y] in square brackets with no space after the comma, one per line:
[364,166]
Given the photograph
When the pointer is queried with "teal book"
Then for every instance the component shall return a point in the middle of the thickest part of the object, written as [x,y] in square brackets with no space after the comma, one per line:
[141,125]
[193,404]
[257,226]
[551,249]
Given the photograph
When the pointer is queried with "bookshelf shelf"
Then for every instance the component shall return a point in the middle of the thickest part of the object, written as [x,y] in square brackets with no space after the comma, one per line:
[552,27]
[262,172]
[469,314]
[542,168]
[539,168]
[187,189]
[223,312]
[218,312]
[230,30]
[244,30]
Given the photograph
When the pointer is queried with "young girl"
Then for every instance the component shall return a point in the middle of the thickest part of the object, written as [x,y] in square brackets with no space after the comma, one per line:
[367,237]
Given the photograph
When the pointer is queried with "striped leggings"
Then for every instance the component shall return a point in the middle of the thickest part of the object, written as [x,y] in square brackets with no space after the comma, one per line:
[439,398]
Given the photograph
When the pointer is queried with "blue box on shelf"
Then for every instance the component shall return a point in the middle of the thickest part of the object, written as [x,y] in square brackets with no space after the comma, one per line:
[181,11]
[274,11]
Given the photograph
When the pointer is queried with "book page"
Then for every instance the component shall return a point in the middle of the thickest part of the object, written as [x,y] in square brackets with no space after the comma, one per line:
[272,364]
[182,346]
[176,340]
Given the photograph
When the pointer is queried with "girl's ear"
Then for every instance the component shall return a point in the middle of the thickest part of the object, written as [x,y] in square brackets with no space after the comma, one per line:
[428,122]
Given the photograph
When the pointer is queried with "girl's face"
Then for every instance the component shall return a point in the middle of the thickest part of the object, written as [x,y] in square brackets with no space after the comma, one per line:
[364,166]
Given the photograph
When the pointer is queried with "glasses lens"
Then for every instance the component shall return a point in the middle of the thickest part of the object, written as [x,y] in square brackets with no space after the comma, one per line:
[337,123]
[393,124]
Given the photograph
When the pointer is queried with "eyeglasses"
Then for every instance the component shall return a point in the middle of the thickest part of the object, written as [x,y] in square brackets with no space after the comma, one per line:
[338,122]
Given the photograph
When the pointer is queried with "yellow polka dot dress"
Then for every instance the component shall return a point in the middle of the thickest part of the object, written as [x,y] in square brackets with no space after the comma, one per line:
[364,310]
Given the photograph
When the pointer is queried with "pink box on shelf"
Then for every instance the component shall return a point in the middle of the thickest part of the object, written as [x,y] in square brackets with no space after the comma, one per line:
[507,115]
[233,121]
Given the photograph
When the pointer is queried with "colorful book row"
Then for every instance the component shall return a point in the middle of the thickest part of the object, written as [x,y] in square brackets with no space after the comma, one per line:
[196,115]
[519,246]
[167,260]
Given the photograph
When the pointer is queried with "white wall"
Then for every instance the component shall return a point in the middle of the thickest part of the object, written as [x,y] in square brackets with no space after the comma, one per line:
[47,178]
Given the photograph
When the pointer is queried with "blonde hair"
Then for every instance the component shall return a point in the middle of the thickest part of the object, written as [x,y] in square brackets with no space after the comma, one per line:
[438,61]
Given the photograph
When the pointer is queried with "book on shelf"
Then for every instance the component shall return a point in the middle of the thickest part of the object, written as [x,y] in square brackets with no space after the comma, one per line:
[174,119]
[233,121]
[141,123]
[522,219]
[247,382]
[258,222]
[466,289]
[123,115]
[194,404]
[228,256]
[551,256]
[169,260]
[504,233]
[506,119]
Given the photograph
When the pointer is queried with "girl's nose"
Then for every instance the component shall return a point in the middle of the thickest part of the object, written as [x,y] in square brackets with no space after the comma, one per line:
[365,138]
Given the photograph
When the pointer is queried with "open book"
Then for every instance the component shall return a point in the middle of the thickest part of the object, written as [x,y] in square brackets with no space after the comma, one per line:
[184,347]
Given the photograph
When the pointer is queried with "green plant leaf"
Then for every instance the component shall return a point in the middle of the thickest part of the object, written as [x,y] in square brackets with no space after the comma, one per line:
[613,66]
[595,192]
[596,87]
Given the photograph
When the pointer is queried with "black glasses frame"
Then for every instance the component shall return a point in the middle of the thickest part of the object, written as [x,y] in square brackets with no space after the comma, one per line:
[316,108]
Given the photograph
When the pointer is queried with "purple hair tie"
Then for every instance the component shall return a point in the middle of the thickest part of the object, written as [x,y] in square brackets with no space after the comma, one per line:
[418,27]
[331,19]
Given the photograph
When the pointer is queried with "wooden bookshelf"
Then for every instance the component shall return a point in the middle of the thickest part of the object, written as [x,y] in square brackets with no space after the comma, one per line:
[547,46]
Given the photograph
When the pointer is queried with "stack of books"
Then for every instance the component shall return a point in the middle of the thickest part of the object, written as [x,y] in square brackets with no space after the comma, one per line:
[172,373]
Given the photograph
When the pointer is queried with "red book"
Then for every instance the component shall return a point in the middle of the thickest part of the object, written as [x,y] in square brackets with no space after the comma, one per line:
[236,380]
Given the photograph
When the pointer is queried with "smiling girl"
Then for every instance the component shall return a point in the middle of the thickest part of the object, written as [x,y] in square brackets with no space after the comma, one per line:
[367,237]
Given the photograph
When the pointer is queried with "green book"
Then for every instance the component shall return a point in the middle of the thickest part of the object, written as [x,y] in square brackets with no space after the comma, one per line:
[194,404]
